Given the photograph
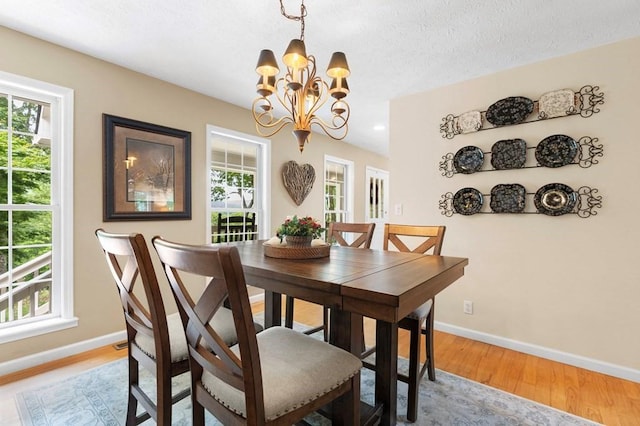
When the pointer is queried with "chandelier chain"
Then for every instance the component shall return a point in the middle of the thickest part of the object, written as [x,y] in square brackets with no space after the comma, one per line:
[303,13]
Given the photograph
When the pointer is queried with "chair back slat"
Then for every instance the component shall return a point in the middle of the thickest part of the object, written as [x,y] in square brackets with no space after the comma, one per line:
[206,348]
[434,238]
[129,261]
[361,232]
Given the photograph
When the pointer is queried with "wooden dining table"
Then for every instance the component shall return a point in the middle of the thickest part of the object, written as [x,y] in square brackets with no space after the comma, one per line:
[379,284]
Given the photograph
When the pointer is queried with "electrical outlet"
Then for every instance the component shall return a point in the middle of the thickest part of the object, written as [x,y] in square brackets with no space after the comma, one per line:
[467,307]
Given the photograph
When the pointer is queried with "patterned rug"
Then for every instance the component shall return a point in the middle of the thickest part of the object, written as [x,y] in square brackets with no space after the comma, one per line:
[99,397]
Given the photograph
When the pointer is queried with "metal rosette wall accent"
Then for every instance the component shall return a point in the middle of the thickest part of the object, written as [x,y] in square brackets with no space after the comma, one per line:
[553,199]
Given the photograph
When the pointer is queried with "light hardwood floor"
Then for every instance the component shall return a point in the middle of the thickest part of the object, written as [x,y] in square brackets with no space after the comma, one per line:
[594,396]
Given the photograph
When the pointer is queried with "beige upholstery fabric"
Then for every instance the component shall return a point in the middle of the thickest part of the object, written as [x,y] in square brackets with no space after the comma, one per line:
[422,311]
[296,368]
[221,322]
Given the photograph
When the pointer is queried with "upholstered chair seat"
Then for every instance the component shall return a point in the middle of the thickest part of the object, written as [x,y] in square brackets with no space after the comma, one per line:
[422,311]
[284,353]
[223,321]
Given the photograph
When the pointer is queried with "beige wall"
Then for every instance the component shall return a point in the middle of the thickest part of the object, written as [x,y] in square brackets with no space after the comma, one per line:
[100,88]
[559,283]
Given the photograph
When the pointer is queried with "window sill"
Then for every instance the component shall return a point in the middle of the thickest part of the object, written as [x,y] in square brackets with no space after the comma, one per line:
[36,328]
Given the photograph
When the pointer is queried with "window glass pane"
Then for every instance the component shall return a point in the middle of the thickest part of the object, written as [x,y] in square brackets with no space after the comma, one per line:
[4,148]
[4,232]
[4,195]
[31,286]
[4,267]
[31,188]
[25,115]
[32,228]
[26,155]
[4,116]
[218,187]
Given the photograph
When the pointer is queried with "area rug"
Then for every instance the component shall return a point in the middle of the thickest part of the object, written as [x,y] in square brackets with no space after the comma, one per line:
[99,397]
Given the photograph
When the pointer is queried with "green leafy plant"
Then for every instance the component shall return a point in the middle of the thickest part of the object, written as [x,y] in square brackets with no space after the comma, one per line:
[303,226]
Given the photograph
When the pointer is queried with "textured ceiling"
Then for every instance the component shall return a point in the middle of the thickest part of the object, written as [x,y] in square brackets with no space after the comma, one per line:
[394,48]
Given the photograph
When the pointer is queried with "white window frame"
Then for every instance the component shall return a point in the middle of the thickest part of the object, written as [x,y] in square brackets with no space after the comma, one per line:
[263,177]
[349,186]
[62,286]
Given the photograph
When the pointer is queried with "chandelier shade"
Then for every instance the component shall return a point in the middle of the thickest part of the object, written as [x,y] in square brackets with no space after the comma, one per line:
[296,55]
[267,64]
[301,92]
[338,67]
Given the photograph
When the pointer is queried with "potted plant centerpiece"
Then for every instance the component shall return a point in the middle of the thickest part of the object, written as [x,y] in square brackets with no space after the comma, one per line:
[300,231]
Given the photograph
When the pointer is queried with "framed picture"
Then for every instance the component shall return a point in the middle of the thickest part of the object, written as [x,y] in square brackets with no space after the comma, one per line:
[147,171]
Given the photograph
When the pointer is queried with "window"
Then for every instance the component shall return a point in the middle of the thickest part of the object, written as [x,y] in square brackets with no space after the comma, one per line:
[238,186]
[338,190]
[36,232]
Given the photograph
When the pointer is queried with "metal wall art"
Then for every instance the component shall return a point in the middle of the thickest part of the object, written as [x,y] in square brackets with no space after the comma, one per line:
[519,109]
[553,199]
[298,180]
[553,151]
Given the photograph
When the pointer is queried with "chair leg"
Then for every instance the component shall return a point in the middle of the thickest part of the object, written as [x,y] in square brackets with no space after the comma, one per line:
[197,413]
[132,405]
[414,370]
[325,323]
[428,332]
[164,398]
[288,312]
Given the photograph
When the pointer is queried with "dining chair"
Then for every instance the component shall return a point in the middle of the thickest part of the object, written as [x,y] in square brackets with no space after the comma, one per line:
[276,377]
[235,228]
[345,234]
[415,239]
[155,341]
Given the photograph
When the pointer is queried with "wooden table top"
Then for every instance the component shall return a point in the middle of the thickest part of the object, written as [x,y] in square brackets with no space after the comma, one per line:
[380,284]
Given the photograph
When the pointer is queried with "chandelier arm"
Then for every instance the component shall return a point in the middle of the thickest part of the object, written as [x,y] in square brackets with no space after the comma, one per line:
[337,121]
[328,129]
[284,98]
[265,118]
[321,99]
[268,134]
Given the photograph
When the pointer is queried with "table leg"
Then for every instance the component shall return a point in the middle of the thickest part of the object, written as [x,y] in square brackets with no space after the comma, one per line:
[272,309]
[346,333]
[387,370]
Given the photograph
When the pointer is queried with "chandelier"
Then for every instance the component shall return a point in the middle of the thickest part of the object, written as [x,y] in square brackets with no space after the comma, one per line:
[300,91]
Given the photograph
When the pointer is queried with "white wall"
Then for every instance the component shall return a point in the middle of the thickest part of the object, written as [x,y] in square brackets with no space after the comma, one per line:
[565,285]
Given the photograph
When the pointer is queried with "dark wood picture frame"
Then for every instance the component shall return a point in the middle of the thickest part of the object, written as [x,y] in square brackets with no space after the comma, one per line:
[147,171]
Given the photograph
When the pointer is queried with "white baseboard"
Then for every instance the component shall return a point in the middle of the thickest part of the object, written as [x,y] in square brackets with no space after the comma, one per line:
[540,351]
[74,349]
[543,352]
[61,352]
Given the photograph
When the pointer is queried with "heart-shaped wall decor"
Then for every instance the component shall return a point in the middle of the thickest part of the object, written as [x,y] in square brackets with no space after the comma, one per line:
[298,180]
